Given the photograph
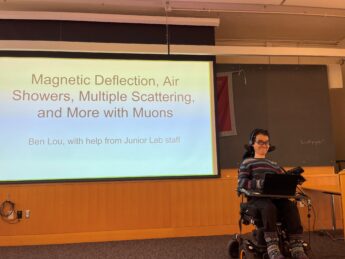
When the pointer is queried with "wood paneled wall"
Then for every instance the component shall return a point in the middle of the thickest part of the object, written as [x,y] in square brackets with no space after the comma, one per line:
[122,210]
[321,215]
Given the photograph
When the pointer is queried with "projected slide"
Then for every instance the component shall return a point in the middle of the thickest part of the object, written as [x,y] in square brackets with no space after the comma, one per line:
[64,119]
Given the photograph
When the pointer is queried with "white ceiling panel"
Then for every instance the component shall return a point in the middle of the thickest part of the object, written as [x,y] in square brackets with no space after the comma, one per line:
[261,2]
[339,4]
[131,7]
[295,22]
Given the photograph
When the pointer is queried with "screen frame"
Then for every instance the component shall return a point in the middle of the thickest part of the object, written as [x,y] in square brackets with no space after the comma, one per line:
[93,55]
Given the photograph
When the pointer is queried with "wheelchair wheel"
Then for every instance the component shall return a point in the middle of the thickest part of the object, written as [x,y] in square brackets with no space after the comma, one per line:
[233,248]
[307,250]
[246,253]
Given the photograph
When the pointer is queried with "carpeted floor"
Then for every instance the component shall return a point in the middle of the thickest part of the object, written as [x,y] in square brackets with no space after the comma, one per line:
[211,247]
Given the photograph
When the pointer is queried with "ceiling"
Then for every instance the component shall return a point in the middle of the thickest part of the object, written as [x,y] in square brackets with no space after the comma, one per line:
[316,23]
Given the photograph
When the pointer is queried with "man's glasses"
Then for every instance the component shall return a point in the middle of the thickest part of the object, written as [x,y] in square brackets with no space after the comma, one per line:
[262,143]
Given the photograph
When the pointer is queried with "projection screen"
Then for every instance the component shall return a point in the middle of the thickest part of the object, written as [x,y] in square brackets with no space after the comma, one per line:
[92,118]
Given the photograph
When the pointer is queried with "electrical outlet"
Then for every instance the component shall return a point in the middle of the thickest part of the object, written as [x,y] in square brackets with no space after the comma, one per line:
[11,216]
[27,214]
[19,214]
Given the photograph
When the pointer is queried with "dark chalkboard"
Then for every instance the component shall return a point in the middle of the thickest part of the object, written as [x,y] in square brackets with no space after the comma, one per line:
[292,102]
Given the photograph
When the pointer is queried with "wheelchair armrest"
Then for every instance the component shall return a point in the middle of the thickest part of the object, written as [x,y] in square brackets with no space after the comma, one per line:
[245,192]
[248,193]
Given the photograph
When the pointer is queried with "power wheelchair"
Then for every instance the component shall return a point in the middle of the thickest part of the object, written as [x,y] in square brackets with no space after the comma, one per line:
[254,247]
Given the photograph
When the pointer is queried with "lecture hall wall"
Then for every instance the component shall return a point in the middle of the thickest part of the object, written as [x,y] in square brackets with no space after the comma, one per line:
[121,210]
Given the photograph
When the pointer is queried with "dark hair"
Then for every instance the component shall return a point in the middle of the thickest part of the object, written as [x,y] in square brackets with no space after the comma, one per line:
[249,147]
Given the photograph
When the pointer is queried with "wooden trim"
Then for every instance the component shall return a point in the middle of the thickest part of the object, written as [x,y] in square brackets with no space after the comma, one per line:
[103,236]
[342,188]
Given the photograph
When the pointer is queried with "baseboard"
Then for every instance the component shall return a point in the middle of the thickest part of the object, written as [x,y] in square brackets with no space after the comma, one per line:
[104,236]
